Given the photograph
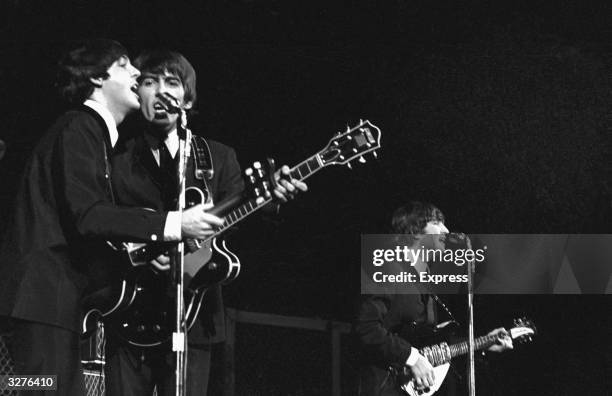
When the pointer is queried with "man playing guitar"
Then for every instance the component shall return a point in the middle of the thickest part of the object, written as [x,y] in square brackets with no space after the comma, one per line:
[144,175]
[382,320]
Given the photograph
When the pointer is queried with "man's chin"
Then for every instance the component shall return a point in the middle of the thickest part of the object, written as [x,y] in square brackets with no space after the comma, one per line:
[163,123]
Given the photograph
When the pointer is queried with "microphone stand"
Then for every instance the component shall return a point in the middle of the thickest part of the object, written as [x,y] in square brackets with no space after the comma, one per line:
[179,337]
[470,308]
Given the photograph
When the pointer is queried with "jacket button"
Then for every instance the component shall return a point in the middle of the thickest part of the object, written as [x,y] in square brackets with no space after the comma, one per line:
[153,237]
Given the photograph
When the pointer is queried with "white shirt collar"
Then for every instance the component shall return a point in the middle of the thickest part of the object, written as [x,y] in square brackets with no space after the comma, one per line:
[107,117]
[171,141]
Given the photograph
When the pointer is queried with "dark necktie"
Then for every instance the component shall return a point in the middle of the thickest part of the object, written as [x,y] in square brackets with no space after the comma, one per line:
[168,168]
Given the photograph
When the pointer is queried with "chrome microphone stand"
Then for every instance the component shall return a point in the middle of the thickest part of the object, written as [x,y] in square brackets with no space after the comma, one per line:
[470,307]
[179,336]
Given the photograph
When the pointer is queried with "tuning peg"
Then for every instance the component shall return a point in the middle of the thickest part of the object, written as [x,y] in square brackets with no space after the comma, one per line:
[348,129]
[348,164]
[375,154]
[257,165]
[362,160]
[360,121]
[248,171]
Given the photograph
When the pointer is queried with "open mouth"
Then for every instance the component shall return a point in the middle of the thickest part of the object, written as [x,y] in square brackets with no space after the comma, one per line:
[159,107]
[159,111]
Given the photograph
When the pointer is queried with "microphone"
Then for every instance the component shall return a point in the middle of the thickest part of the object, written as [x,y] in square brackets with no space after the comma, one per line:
[170,103]
[459,238]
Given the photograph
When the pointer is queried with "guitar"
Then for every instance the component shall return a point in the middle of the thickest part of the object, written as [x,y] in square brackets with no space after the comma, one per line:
[140,310]
[440,355]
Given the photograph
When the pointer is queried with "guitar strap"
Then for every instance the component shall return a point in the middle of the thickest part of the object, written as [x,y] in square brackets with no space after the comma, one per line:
[202,165]
[203,159]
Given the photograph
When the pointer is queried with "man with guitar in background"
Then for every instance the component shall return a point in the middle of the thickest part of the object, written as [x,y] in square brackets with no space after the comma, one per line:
[56,247]
[144,175]
[386,323]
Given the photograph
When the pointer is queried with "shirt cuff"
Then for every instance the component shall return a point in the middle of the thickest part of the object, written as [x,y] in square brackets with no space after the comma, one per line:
[172,229]
[414,356]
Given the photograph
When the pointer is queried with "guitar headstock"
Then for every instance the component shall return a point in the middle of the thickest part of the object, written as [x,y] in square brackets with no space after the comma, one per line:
[352,144]
[260,180]
[523,331]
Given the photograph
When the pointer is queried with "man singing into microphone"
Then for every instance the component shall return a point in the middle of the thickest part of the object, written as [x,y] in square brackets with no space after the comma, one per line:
[386,322]
[55,250]
[144,174]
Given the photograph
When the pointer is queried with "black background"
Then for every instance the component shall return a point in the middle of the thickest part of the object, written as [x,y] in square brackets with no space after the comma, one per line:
[498,112]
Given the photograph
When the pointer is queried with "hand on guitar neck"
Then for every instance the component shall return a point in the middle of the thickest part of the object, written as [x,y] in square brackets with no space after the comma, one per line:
[286,186]
[504,341]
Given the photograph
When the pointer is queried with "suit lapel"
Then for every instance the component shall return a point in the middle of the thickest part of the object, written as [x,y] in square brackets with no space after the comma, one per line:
[145,158]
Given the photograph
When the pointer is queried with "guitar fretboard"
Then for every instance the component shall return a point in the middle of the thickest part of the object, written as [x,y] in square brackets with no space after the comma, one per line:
[479,344]
[300,172]
[441,353]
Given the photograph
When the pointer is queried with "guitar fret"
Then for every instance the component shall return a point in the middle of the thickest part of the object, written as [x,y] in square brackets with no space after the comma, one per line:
[303,170]
[295,173]
[313,164]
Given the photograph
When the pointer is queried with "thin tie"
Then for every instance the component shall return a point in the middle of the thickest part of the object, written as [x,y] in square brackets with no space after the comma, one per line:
[168,167]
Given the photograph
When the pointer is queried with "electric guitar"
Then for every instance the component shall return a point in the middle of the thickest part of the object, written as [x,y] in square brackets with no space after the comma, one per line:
[440,355]
[140,310]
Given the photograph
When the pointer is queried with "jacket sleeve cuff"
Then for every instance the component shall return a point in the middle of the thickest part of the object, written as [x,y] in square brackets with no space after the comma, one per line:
[413,357]
[172,228]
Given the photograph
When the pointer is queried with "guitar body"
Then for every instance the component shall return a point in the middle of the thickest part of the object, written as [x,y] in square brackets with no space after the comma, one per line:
[142,310]
[440,355]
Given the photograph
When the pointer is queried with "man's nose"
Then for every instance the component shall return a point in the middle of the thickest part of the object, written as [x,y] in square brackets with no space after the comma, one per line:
[162,87]
[135,72]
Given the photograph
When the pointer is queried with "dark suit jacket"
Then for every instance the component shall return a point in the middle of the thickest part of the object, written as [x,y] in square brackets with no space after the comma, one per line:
[62,217]
[137,182]
[381,325]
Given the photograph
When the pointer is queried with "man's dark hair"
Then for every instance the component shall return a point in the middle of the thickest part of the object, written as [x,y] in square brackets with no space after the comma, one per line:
[89,59]
[160,61]
[412,218]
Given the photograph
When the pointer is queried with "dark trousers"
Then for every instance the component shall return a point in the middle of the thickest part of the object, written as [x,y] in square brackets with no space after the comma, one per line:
[41,349]
[134,371]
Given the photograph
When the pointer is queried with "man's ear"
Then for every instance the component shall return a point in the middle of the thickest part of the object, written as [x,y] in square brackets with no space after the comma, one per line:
[188,105]
[97,81]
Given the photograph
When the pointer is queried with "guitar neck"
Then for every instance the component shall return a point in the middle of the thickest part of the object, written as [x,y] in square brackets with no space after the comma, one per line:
[480,343]
[300,172]
[442,353]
